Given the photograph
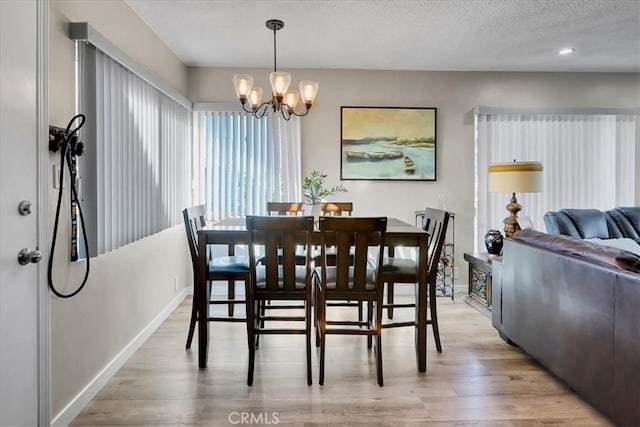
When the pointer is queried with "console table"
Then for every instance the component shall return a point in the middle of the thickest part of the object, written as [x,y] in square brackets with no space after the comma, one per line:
[480,279]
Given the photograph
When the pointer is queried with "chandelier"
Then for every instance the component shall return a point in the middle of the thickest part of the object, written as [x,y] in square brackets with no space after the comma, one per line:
[282,99]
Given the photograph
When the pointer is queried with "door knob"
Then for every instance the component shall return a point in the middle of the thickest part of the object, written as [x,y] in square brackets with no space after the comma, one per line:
[24,208]
[26,256]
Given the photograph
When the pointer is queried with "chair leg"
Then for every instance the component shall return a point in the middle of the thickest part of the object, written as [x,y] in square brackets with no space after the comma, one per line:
[379,341]
[251,327]
[308,333]
[192,322]
[359,311]
[390,300]
[260,312]
[316,316]
[369,322]
[323,338]
[231,292]
[249,316]
[434,323]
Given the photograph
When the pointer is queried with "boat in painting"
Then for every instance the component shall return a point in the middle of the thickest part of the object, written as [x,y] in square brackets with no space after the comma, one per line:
[355,156]
[383,155]
[409,166]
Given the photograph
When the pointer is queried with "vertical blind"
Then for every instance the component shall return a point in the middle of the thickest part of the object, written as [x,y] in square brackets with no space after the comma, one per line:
[248,162]
[588,162]
[142,153]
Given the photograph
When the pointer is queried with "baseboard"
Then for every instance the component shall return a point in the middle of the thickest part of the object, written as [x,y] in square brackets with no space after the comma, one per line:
[66,416]
[482,308]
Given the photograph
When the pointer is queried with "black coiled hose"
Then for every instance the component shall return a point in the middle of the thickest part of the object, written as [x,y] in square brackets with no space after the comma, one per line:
[65,154]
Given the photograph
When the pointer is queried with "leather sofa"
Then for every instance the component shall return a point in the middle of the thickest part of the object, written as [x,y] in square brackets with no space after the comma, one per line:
[592,223]
[574,306]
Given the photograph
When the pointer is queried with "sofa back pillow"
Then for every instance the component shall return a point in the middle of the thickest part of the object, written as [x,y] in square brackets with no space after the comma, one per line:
[590,223]
[627,220]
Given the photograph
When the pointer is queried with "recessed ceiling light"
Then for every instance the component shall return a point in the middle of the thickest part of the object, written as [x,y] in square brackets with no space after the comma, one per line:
[566,51]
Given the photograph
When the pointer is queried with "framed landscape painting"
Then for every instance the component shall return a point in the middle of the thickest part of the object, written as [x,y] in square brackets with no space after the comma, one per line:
[388,143]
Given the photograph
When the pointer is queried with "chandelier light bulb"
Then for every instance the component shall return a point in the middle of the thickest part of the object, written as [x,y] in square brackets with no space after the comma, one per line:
[280,81]
[308,91]
[291,99]
[255,97]
[243,84]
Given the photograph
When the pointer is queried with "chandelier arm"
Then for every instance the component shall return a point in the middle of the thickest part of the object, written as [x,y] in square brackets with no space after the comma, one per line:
[292,112]
[306,111]
[261,111]
[245,109]
[285,112]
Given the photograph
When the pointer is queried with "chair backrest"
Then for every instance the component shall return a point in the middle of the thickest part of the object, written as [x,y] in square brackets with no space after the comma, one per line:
[280,237]
[435,222]
[194,220]
[285,208]
[336,208]
[361,234]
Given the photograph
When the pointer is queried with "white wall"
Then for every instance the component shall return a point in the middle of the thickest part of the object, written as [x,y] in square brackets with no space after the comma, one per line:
[454,94]
[129,287]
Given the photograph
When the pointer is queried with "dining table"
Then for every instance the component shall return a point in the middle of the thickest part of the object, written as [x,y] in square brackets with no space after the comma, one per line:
[233,231]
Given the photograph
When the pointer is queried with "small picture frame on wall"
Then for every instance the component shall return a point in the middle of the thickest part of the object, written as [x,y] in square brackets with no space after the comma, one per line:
[525,223]
[388,143]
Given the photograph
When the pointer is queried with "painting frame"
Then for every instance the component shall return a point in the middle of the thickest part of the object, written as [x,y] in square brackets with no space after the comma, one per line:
[388,143]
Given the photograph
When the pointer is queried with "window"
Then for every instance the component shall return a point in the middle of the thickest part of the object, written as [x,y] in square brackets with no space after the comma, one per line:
[136,170]
[588,160]
[247,162]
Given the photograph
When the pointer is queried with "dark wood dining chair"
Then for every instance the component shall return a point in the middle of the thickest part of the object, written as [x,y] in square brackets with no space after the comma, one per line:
[229,268]
[353,278]
[289,209]
[285,208]
[336,209]
[403,270]
[278,278]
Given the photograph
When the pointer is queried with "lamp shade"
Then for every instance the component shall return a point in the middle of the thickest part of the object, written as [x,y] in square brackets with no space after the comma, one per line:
[515,177]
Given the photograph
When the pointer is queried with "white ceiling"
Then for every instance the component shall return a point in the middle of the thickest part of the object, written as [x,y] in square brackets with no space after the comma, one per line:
[470,35]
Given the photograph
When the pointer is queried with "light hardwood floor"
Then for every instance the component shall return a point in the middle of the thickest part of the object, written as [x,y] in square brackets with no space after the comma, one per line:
[478,380]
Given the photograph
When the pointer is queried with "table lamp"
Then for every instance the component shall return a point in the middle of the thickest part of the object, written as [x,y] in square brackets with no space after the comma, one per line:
[515,177]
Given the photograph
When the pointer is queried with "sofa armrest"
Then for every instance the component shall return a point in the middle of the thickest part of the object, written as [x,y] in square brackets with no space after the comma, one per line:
[598,254]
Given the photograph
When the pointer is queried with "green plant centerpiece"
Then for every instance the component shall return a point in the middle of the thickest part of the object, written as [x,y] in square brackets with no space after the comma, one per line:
[315,190]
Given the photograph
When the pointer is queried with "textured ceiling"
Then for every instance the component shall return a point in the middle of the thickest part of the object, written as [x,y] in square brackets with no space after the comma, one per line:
[470,35]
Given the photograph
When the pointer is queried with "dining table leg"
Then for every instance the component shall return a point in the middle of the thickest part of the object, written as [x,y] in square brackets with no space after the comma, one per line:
[421,306]
[203,302]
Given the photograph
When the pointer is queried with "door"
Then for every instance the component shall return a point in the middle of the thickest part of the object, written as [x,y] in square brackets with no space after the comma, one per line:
[21,370]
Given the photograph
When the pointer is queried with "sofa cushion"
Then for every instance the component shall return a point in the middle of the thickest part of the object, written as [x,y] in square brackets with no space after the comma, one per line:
[590,223]
[560,223]
[599,254]
[627,219]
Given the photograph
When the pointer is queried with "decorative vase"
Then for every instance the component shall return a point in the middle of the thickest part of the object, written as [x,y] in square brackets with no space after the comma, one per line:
[493,241]
[313,210]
